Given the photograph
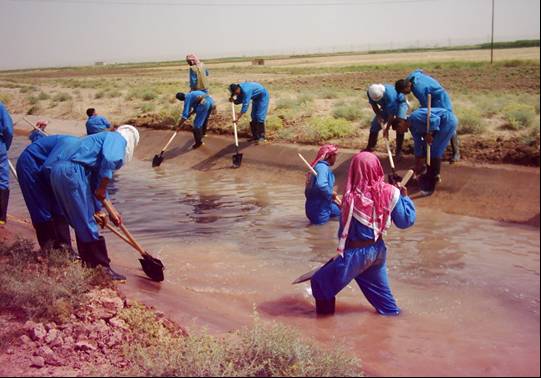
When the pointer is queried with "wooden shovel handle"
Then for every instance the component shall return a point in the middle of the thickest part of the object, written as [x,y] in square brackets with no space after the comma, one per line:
[117,233]
[307,164]
[389,154]
[235,124]
[12,169]
[428,115]
[35,127]
[169,142]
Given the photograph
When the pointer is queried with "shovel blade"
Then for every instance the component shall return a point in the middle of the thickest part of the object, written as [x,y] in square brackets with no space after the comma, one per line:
[237,160]
[158,159]
[153,268]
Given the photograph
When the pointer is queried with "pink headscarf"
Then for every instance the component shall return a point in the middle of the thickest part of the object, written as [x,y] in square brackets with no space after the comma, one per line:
[367,198]
[324,152]
[42,124]
[192,59]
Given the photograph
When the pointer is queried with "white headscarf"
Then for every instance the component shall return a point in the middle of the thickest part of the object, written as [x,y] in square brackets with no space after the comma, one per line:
[376,92]
[131,134]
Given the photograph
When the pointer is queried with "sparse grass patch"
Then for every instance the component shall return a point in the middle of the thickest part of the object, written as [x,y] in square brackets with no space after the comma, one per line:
[348,112]
[273,124]
[43,287]
[32,100]
[61,97]
[43,96]
[320,129]
[147,107]
[27,89]
[518,116]
[470,121]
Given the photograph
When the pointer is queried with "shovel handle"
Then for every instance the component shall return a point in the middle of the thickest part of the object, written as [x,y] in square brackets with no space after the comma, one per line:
[391,160]
[307,164]
[117,233]
[35,127]
[407,177]
[169,142]
[428,115]
[235,125]
[109,206]
[12,169]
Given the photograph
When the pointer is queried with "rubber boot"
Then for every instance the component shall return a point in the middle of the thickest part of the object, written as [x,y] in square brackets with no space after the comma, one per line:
[324,307]
[198,137]
[95,254]
[455,147]
[430,179]
[399,144]
[4,200]
[46,235]
[253,129]
[372,141]
[63,237]
[260,127]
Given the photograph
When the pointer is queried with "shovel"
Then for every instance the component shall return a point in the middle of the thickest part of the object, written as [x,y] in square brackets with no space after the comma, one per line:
[152,266]
[35,127]
[428,115]
[308,276]
[393,176]
[237,158]
[158,159]
[12,169]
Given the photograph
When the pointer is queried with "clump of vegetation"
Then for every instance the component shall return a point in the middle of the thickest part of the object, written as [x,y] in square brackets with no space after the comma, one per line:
[263,350]
[43,287]
[148,107]
[32,100]
[518,116]
[470,121]
[349,112]
[321,129]
[274,124]
[5,98]
[43,96]
[61,97]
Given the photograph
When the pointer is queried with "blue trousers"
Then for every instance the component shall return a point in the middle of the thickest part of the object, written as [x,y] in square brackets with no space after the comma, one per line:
[319,213]
[260,107]
[439,144]
[4,167]
[75,197]
[367,266]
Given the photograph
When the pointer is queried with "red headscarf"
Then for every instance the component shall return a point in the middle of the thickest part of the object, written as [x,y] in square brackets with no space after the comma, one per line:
[192,59]
[324,153]
[367,198]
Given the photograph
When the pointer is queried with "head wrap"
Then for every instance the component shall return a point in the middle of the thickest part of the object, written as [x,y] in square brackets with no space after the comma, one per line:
[233,88]
[367,198]
[324,153]
[376,92]
[42,124]
[192,59]
[180,96]
[131,134]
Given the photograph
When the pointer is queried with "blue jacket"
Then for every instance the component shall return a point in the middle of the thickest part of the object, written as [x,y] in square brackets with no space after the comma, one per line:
[443,124]
[423,85]
[251,91]
[392,103]
[319,193]
[35,135]
[6,129]
[97,124]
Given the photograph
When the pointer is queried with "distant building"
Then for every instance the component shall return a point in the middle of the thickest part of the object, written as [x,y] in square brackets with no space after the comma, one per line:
[99,63]
[258,62]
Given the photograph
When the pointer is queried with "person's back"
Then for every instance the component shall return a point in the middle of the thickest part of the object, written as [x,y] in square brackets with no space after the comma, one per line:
[319,194]
[96,123]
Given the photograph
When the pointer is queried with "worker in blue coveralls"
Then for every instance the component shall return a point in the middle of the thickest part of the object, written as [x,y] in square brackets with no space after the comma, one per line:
[443,125]
[422,85]
[200,103]
[96,123]
[321,198]
[6,136]
[39,131]
[52,228]
[198,74]
[369,207]
[243,93]
[387,104]
[79,172]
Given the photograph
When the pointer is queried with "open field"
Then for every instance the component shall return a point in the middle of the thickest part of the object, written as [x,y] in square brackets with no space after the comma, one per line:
[315,99]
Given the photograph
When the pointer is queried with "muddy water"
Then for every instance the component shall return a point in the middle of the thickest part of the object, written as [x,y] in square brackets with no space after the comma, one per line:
[233,240]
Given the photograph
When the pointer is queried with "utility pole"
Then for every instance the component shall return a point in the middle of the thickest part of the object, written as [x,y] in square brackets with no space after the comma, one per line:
[492,37]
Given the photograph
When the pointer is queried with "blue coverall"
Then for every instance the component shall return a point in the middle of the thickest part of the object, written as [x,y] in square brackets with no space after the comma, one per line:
[36,190]
[96,124]
[75,170]
[443,123]
[423,85]
[6,136]
[193,80]
[202,110]
[319,206]
[260,98]
[392,104]
[35,135]
[367,266]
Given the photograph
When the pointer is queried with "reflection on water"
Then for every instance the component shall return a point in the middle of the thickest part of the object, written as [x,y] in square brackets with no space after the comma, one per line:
[232,239]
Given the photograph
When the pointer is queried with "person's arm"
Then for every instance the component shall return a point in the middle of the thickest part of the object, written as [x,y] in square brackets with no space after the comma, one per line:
[434,128]
[404,213]
[106,122]
[7,128]
[193,79]
[247,97]
[101,194]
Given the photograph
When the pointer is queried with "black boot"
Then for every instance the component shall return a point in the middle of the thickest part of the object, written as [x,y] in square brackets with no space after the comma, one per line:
[430,179]
[94,253]
[372,141]
[63,237]
[253,129]
[4,200]
[260,127]
[324,308]
[455,147]
[198,137]
[399,144]
[46,235]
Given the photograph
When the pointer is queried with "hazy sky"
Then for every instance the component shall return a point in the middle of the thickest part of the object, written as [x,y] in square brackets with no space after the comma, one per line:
[38,33]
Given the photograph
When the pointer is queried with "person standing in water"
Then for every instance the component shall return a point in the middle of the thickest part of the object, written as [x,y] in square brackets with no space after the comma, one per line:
[369,207]
[95,122]
[6,137]
[79,173]
[198,74]
[321,199]
[202,105]
[258,95]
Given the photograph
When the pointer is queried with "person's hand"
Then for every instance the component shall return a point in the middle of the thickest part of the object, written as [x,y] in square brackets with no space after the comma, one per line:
[334,195]
[238,116]
[380,120]
[101,218]
[115,217]
[403,189]
[231,99]
[101,193]
[429,138]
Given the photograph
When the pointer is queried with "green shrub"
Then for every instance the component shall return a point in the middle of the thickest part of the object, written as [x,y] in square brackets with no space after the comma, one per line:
[322,129]
[518,115]
[114,93]
[32,100]
[148,107]
[149,95]
[263,350]
[328,93]
[43,96]
[61,97]
[273,124]
[348,112]
[99,94]
[27,89]
[470,121]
